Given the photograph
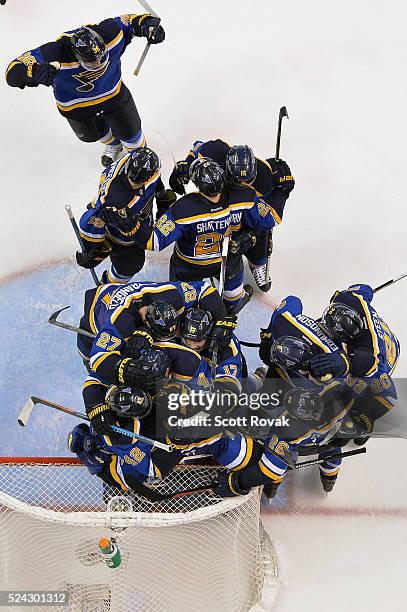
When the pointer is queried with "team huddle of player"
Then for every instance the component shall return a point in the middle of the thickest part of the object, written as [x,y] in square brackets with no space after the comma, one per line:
[153,339]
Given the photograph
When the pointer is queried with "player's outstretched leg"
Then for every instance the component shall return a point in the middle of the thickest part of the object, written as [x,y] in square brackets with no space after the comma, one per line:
[125,123]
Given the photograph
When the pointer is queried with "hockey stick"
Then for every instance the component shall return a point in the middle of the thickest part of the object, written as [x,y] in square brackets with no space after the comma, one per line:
[283,113]
[357,451]
[78,330]
[78,235]
[221,288]
[390,282]
[298,466]
[148,8]
[28,407]
[172,155]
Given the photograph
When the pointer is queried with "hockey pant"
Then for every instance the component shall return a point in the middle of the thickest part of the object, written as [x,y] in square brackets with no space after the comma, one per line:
[126,261]
[233,292]
[113,122]
[257,254]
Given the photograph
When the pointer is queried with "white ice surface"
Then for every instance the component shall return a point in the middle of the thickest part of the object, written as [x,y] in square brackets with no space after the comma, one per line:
[224,71]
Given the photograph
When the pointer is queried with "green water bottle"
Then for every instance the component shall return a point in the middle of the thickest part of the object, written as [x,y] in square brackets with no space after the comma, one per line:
[110,552]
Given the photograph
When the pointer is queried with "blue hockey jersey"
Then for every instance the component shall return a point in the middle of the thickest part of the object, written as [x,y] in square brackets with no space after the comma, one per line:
[74,87]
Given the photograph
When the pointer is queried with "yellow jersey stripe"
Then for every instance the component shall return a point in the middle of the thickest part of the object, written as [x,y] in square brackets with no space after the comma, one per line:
[385,402]
[113,471]
[225,212]
[101,359]
[307,332]
[67,109]
[137,296]
[206,262]
[269,474]
[248,455]
[115,41]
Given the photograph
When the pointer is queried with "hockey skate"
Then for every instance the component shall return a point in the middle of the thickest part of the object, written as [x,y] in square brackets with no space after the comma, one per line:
[270,489]
[328,482]
[259,275]
[248,292]
[111,154]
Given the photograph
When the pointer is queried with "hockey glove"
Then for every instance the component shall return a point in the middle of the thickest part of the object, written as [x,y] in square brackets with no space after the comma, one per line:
[179,177]
[282,174]
[40,74]
[222,333]
[101,418]
[123,220]
[149,27]
[140,342]
[227,392]
[266,341]
[130,372]
[337,364]
[241,242]
[164,200]
[90,259]
[228,485]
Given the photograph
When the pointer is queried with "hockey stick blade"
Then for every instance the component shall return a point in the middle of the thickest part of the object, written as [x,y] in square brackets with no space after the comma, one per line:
[25,412]
[53,320]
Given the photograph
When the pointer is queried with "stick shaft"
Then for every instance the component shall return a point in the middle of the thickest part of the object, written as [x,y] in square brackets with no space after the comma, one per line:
[357,451]
[79,237]
[150,10]
[121,430]
[141,60]
[72,328]
[283,113]
[148,7]
[222,276]
[389,282]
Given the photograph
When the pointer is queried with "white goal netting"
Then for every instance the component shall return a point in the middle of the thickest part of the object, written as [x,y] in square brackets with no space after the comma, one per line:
[194,552]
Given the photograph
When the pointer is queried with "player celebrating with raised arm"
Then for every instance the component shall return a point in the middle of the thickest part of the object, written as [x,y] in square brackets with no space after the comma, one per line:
[272,180]
[126,193]
[83,66]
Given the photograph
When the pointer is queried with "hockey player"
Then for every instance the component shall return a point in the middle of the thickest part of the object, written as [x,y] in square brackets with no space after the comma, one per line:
[126,193]
[147,371]
[197,332]
[313,419]
[131,303]
[83,66]
[119,461]
[373,351]
[292,343]
[123,464]
[272,180]
[198,222]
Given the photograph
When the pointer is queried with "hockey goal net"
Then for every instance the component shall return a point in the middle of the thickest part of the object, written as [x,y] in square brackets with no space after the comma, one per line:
[193,552]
